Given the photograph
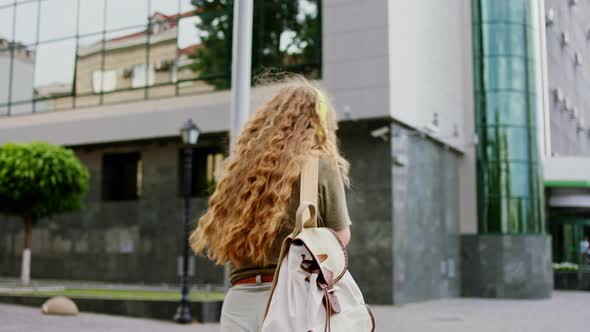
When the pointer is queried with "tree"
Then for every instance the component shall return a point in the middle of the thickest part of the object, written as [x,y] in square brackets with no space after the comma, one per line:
[285,35]
[39,180]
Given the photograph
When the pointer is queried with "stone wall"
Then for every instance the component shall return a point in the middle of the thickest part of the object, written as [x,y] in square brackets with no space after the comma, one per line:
[425,218]
[369,203]
[124,241]
[404,247]
[139,241]
[506,266]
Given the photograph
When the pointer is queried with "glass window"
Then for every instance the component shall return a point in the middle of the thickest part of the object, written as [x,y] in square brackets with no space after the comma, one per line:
[508,216]
[187,5]
[505,39]
[21,107]
[142,75]
[6,17]
[23,70]
[519,185]
[508,179]
[91,19]
[89,59]
[204,46]
[174,72]
[104,81]
[194,61]
[508,143]
[166,7]
[58,19]
[506,73]
[123,50]
[22,90]
[127,14]
[4,79]
[189,35]
[121,176]
[503,108]
[54,69]
[163,48]
[506,10]
[286,36]
[22,80]
[182,50]
[26,23]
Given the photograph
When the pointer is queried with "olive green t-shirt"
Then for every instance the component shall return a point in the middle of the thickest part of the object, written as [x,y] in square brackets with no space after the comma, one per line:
[332,209]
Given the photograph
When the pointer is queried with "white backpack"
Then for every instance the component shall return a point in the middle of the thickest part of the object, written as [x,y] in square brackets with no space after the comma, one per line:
[312,289]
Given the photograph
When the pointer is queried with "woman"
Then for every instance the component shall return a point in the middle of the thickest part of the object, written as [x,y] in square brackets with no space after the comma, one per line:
[253,207]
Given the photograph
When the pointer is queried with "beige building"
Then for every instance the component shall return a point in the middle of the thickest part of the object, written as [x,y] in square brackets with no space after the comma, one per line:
[133,66]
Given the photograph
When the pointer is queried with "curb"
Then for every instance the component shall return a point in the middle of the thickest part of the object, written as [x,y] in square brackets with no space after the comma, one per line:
[203,312]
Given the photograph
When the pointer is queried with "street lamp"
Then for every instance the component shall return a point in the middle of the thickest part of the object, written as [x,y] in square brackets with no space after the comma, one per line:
[189,133]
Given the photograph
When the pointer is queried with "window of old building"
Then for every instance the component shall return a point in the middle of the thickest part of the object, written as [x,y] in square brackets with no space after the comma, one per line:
[206,166]
[121,176]
[65,54]
[104,81]
[143,75]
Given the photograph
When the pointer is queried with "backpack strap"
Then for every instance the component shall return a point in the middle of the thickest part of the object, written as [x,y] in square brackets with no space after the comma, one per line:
[308,196]
[309,180]
[308,200]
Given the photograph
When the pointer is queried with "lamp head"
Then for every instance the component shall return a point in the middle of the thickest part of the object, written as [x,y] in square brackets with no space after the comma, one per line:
[189,132]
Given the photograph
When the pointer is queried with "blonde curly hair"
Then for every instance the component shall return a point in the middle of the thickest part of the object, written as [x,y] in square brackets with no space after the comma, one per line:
[249,205]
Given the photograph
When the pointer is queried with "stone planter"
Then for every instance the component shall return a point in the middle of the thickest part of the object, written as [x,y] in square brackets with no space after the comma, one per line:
[566,280]
[584,280]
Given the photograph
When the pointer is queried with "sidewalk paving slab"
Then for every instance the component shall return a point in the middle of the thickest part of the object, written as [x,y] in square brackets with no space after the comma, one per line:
[565,311]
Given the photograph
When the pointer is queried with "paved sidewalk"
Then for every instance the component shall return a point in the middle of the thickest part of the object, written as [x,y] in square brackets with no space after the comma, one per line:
[566,311]
[15,318]
[56,284]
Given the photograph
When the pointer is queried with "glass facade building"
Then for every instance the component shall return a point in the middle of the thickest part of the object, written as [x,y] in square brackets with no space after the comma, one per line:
[505,41]
[64,54]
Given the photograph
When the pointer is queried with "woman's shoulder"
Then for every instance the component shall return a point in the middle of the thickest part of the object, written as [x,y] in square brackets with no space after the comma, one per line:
[327,167]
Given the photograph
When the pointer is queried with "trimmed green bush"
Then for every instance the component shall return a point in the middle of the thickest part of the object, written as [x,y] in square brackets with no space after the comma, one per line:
[39,180]
[565,267]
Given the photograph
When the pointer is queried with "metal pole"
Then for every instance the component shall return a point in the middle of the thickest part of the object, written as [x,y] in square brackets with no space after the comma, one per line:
[240,80]
[241,67]
[183,314]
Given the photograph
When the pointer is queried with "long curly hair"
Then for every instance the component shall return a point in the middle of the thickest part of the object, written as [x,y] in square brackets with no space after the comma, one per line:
[249,205]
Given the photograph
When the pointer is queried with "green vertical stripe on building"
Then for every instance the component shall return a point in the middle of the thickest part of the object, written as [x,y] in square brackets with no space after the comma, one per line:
[510,199]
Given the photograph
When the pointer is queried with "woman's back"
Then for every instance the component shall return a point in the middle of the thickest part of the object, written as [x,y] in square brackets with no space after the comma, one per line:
[333,213]
[253,207]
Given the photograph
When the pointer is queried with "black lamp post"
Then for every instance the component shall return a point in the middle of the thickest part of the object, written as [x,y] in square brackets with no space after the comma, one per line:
[189,134]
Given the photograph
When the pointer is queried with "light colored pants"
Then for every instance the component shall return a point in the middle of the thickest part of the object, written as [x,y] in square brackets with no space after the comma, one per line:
[243,308]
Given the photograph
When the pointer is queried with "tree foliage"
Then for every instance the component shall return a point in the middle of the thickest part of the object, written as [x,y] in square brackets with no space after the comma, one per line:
[285,35]
[40,180]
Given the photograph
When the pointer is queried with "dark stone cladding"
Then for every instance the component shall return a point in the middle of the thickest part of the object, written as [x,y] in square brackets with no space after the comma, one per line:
[506,266]
[405,231]
[369,202]
[425,218]
[87,245]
